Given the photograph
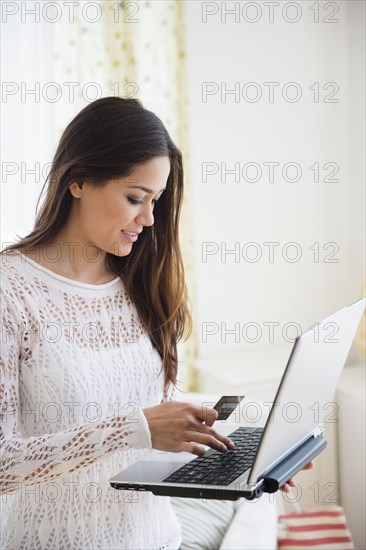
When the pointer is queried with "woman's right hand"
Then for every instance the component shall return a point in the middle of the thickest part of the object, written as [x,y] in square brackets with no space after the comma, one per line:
[176,426]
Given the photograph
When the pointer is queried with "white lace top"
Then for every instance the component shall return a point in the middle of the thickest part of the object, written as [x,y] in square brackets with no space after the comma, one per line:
[76,370]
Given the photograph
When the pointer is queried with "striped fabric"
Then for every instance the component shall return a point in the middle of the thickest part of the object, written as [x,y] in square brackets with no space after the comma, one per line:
[323,529]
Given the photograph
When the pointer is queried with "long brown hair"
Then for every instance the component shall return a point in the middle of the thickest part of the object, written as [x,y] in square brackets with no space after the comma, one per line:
[107,139]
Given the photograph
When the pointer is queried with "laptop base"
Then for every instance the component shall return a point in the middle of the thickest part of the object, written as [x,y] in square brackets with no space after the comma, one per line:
[287,468]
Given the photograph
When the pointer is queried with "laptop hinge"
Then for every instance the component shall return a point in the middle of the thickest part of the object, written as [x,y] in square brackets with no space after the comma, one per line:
[292,464]
[319,430]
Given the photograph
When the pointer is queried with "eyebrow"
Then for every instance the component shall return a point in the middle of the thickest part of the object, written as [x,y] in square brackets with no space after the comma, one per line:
[145,188]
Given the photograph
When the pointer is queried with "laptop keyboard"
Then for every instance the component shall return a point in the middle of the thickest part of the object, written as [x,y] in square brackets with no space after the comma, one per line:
[219,468]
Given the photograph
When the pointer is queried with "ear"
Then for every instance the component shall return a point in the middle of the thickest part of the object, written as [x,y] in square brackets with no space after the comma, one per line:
[76,189]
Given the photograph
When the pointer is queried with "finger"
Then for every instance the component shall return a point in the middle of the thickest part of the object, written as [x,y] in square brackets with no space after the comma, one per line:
[208,440]
[309,466]
[202,428]
[285,488]
[191,448]
[205,414]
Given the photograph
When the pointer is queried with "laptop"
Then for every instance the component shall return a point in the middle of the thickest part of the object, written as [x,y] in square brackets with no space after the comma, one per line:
[263,458]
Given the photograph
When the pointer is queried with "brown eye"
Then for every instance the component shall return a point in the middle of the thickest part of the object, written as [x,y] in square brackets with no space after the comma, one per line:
[134,201]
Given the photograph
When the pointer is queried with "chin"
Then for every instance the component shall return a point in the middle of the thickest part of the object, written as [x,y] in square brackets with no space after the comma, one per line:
[120,250]
[125,252]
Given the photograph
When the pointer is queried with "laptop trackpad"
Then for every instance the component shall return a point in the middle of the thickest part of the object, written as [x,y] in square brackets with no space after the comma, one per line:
[145,470]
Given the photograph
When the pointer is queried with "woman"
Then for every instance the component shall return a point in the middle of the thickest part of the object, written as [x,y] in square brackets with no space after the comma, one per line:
[93,305]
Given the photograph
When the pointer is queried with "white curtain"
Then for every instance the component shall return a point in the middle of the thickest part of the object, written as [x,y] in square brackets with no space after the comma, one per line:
[26,125]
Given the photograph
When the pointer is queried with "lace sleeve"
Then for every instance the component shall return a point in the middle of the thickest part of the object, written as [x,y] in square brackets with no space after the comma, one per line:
[31,460]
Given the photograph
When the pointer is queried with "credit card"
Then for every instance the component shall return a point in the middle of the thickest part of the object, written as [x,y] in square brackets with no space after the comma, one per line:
[226,405]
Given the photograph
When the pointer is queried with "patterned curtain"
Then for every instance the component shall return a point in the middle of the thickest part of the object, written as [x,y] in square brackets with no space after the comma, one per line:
[130,49]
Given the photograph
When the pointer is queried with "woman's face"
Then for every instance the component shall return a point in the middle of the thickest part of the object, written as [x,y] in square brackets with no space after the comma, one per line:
[111,217]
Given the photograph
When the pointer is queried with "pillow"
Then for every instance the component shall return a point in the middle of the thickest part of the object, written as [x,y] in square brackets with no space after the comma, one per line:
[204,522]
[254,525]
[322,528]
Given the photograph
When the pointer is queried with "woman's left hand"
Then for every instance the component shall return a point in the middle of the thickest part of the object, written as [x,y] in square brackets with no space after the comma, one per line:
[286,488]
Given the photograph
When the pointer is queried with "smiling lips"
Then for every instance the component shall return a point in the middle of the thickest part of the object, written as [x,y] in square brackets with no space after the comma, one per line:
[132,237]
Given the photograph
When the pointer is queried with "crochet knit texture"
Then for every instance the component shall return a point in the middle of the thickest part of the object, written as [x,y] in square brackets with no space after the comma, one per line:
[77,368]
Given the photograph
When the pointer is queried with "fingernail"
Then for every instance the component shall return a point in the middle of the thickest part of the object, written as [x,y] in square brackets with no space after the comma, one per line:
[231,444]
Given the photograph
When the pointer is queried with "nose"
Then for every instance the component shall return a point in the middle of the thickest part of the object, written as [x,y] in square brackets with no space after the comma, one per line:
[146,217]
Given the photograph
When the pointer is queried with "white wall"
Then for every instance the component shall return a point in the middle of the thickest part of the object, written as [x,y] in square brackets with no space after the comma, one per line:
[305,132]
